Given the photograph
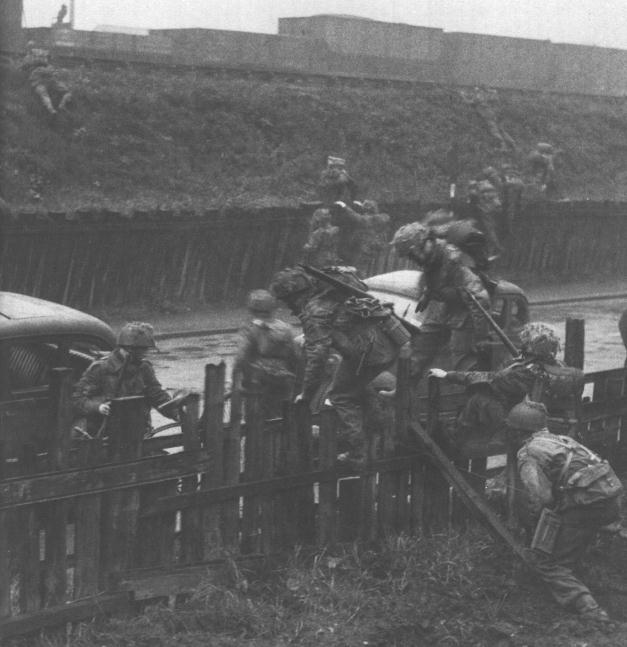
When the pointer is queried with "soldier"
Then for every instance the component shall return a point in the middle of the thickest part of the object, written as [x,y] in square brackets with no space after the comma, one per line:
[449,313]
[42,77]
[568,486]
[267,357]
[487,213]
[123,372]
[542,162]
[356,328]
[335,182]
[485,103]
[366,233]
[537,373]
[321,248]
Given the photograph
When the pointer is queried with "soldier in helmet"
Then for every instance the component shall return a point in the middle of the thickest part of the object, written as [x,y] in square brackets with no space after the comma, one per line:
[355,328]
[449,313]
[124,372]
[560,475]
[335,182]
[267,356]
[321,248]
[43,79]
[537,373]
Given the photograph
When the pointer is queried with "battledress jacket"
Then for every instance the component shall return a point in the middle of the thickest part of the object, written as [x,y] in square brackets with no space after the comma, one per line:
[113,377]
[445,280]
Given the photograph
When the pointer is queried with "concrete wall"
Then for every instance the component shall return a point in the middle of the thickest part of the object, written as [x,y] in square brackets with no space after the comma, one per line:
[592,68]
[11,37]
[354,35]
[476,59]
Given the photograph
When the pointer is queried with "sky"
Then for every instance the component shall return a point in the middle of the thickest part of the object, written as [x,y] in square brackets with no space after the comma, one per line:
[589,22]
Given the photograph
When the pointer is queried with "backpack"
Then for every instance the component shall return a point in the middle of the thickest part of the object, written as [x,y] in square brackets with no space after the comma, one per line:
[590,484]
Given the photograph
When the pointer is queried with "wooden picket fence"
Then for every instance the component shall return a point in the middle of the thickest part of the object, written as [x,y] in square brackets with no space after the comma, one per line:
[96,526]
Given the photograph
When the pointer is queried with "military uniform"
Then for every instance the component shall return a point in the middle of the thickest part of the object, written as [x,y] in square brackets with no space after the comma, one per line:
[43,79]
[336,184]
[114,377]
[267,361]
[321,248]
[366,351]
[450,315]
[366,235]
[546,462]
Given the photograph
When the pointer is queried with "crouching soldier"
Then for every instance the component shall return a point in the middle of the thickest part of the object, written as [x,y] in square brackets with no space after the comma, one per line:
[267,357]
[361,330]
[123,372]
[537,374]
[43,79]
[449,313]
[568,493]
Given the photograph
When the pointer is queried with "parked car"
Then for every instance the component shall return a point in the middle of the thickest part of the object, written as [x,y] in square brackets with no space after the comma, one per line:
[37,336]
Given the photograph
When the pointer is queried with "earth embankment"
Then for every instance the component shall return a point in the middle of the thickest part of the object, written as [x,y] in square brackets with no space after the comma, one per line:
[146,138]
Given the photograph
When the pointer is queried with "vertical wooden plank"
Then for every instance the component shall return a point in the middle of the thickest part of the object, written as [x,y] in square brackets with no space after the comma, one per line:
[232,467]
[28,550]
[5,552]
[368,512]
[252,471]
[212,440]
[574,345]
[61,416]
[388,488]
[304,496]
[121,508]
[266,503]
[327,500]
[191,519]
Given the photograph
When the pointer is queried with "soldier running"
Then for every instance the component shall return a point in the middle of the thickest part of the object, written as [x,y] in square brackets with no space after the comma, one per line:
[567,485]
[449,313]
[123,372]
[356,328]
[267,356]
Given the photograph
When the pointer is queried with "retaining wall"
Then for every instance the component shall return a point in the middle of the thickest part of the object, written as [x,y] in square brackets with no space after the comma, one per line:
[92,260]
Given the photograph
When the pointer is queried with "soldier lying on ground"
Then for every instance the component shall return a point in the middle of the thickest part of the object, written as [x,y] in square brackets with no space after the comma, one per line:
[579,493]
[43,79]
[536,373]
[267,357]
[358,330]
[449,313]
[125,371]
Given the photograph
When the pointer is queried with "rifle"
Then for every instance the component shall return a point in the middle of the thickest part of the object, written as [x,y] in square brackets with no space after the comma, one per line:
[353,291]
[495,327]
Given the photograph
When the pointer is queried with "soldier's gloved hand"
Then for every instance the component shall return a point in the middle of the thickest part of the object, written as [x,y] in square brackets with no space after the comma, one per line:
[339,203]
[104,409]
[437,372]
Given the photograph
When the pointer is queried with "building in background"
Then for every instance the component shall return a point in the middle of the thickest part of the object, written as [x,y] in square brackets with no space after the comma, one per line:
[11,36]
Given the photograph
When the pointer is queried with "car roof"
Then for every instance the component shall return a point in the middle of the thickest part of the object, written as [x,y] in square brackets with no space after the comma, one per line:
[405,282]
[25,316]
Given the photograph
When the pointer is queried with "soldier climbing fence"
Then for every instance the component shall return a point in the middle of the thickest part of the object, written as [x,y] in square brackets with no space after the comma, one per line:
[95,526]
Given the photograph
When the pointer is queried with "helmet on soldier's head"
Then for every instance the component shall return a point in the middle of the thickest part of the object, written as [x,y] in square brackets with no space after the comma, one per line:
[527,416]
[370,206]
[320,217]
[290,281]
[261,302]
[539,339]
[410,237]
[137,334]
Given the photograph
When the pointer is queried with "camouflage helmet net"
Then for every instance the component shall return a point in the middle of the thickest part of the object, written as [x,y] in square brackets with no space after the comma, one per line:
[409,237]
[261,301]
[540,339]
[137,334]
[289,281]
[527,416]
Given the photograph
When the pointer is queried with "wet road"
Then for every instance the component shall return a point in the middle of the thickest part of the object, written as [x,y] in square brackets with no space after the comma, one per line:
[180,362]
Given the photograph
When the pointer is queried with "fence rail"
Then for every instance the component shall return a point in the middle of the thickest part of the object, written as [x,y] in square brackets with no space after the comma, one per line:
[91,527]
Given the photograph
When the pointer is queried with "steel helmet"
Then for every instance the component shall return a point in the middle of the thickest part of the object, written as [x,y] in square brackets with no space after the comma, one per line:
[262,302]
[540,339]
[137,334]
[410,237]
[290,281]
[527,416]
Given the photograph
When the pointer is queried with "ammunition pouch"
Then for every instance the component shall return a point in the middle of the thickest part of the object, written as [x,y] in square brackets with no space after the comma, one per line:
[546,531]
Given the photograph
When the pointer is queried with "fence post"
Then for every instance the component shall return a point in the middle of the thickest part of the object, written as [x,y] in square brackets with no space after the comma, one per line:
[574,344]
[213,441]
[125,431]
[61,416]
